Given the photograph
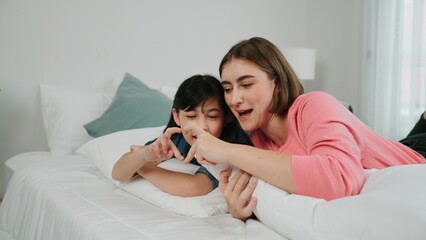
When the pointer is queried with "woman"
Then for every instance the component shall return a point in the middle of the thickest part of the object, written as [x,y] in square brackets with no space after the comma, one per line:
[198,100]
[308,144]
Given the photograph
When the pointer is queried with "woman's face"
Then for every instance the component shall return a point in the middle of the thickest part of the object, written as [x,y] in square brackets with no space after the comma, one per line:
[208,115]
[248,92]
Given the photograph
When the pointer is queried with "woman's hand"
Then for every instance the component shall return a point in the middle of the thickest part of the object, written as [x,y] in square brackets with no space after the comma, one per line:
[238,193]
[206,148]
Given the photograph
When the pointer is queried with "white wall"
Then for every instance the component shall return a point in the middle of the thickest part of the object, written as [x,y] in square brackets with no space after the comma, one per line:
[334,28]
[89,45]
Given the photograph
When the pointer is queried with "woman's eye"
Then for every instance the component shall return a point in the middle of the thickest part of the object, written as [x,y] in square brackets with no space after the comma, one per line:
[213,117]
[191,116]
[227,90]
[246,85]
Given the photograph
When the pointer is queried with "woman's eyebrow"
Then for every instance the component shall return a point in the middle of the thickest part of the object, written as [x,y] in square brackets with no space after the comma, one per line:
[241,78]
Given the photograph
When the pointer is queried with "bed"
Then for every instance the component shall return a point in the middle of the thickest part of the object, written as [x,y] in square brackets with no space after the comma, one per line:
[68,193]
[67,197]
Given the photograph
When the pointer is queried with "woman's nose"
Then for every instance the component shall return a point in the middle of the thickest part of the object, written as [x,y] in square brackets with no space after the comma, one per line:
[236,97]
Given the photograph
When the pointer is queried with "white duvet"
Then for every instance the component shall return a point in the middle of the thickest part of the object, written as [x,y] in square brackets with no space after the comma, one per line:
[68,198]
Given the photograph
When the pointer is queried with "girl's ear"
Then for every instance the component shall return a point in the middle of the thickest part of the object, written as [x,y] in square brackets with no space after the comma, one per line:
[176,116]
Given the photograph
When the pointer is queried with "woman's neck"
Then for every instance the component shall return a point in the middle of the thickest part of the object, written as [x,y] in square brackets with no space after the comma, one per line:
[276,129]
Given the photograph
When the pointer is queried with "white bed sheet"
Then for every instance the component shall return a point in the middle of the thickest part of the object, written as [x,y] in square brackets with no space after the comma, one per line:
[68,198]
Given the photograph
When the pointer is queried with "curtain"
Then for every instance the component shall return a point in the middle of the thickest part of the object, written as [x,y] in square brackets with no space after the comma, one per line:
[394,82]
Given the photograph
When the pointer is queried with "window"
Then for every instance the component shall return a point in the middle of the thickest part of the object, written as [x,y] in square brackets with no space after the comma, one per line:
[394,85]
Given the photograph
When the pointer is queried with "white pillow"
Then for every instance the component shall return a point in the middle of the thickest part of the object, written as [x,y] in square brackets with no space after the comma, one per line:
[64,114]
[215,170]
[106,150]
[391,205]
[210,204]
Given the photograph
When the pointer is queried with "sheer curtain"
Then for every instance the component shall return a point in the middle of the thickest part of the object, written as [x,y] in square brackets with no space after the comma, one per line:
[394,83]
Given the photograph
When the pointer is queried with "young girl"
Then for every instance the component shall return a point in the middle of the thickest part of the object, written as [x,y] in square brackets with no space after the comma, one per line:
[199,100]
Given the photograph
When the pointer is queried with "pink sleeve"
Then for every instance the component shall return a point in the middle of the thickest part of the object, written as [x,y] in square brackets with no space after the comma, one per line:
[332,167]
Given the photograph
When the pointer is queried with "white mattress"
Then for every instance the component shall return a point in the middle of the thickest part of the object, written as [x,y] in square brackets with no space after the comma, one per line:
[68,198]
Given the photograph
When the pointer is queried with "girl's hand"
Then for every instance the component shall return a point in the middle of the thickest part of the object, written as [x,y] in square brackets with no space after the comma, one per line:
[135,148]
[206,148]
[238,193]
[163,148]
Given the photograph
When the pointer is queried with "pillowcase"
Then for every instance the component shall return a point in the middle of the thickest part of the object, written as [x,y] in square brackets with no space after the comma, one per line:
[391,205]
[216,169]
[106,150]
[65,112]
[135,105]
[207,205]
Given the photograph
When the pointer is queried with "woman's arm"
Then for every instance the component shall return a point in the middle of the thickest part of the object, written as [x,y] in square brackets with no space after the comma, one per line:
[272,167]
[176,183]
[328,163]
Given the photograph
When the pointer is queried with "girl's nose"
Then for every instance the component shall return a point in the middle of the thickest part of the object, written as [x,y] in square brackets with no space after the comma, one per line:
[202,123]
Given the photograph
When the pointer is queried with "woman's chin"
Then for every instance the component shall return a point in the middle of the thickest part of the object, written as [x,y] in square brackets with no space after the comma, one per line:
[246,126]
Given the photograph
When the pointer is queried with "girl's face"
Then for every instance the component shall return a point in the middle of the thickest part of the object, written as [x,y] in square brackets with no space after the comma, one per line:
[248,92]
[208,115]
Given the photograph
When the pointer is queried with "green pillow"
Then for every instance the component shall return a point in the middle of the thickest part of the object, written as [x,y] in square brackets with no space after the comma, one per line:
[135,105]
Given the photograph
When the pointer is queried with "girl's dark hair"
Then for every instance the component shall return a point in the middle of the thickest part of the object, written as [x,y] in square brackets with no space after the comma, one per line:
[195,91]
[270,59]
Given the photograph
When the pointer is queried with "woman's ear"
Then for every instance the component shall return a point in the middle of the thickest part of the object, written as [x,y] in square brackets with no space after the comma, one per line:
[176,116]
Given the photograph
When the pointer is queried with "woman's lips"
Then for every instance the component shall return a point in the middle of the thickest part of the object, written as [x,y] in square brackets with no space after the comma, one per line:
[244,114]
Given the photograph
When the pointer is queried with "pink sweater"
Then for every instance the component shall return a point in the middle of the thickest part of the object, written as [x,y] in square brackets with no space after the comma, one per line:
[330,147]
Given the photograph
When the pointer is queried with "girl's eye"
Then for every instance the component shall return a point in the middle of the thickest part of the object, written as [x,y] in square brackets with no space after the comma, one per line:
[227,90]
[213,117]
[191,116]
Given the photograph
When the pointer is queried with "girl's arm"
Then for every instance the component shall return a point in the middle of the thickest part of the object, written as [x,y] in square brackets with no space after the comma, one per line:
[176,183]
[126,167]
[161,149]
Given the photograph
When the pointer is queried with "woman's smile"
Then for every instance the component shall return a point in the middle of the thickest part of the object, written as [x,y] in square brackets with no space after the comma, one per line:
[244,114]
[248,91]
